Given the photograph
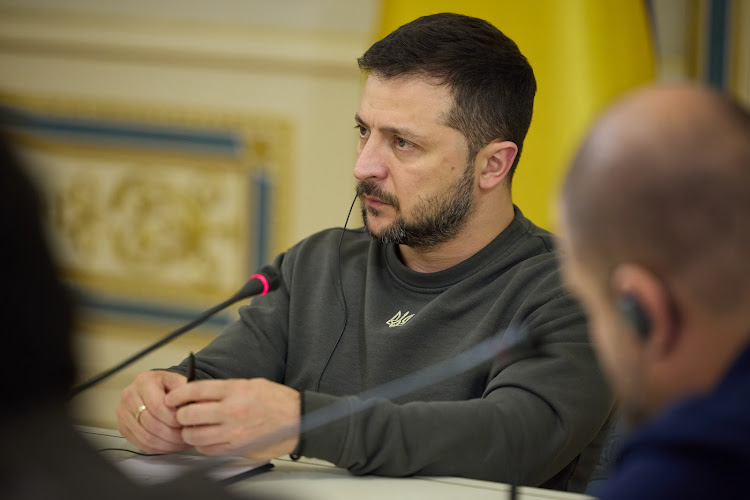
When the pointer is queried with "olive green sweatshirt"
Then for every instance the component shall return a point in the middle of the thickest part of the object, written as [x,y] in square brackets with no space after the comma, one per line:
[537,422]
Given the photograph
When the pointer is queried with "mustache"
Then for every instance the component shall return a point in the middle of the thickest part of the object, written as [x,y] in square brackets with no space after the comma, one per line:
[369,188]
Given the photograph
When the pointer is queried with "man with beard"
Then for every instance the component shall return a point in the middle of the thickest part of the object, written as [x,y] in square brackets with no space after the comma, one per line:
[444,261]
[655,227]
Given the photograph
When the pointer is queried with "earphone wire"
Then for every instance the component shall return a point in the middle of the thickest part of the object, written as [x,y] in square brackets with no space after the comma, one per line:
[343,296]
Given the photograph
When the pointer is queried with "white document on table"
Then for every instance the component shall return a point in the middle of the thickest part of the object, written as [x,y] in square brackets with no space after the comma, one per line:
[154,469]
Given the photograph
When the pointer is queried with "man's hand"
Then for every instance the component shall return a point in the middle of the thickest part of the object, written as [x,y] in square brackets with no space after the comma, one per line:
[154,429]
[256,418]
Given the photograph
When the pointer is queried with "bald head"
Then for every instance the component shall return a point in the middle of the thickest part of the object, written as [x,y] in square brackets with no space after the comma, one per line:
[663,180]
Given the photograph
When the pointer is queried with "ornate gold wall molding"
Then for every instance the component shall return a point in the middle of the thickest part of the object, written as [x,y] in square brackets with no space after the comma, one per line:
[156,205]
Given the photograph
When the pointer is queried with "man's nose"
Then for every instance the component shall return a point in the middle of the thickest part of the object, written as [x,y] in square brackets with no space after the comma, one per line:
[371,161]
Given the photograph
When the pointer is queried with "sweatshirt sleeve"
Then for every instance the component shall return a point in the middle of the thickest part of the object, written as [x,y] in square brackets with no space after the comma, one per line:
[253,346]
[534,418]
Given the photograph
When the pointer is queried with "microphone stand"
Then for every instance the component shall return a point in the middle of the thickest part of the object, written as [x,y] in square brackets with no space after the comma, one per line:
[266,279]
[197,321]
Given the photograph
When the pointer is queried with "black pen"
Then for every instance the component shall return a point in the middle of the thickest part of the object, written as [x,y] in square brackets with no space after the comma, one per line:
[191,367]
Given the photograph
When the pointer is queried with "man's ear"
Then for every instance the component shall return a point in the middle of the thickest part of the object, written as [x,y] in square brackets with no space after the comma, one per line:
[495,161]
[647,307]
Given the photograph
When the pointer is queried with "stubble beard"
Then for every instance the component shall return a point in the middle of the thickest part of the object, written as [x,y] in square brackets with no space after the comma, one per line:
[436,219]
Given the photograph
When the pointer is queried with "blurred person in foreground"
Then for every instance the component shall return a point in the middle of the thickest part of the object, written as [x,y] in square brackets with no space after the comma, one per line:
[445,261]
[42,456]
[655,232]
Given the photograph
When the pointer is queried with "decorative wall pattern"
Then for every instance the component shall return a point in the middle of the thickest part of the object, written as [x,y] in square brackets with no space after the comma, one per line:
[179,146]
[148,206]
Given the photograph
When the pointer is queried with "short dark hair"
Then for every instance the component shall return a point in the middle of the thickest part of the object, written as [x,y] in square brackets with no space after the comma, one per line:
[493,84]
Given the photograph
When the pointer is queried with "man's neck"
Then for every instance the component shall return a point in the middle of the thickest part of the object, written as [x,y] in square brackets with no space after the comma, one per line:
[476,234]
[715,346]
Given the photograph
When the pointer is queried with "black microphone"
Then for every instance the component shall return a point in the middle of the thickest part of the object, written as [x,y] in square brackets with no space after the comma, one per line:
[260,283]
[266,279]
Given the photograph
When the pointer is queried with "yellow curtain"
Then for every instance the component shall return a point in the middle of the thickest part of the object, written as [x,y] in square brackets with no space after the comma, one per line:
[584,54]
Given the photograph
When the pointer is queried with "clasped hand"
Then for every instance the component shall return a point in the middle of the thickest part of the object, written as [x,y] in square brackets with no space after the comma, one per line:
[255,418]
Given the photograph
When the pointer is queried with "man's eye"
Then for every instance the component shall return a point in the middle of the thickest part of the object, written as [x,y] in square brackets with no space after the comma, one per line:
[363,132]
[403,143]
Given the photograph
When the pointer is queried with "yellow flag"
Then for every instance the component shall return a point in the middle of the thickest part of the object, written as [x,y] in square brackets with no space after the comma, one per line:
[584,54]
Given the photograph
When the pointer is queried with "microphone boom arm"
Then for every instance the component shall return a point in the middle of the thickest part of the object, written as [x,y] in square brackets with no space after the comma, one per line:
[135,357]
[265,280]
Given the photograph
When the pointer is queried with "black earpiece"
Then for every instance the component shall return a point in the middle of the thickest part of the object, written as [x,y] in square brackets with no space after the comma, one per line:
[634,313]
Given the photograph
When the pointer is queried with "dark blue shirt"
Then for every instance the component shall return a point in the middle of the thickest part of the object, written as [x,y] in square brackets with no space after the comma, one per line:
[700,448]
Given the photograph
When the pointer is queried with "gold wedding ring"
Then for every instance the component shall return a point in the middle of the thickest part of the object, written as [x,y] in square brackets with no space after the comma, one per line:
[138,413]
